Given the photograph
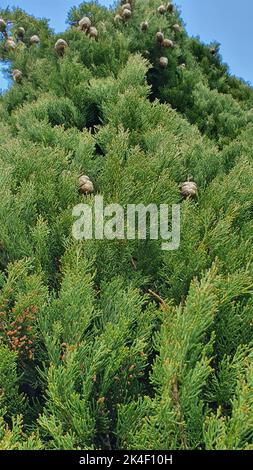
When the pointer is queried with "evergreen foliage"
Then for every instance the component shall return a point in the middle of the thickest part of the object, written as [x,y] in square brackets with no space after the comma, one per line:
[117,344]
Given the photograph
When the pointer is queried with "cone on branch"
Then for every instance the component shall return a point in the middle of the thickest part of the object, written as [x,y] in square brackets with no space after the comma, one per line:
[176,28]
[93,32]
[160,37]
[10,44]
[162,9]
[170,7]
[17,75]
[163,62]
[168,43]
[21,32]
[126,14]
[144,26]
[85,185]
[85,23]
[60,46]
[188,189]
[34,39]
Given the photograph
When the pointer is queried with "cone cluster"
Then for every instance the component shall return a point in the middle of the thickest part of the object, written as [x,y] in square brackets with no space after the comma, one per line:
[86,26]
[85,185]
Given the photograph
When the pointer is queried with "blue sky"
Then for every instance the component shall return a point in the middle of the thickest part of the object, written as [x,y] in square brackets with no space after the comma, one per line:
[227,21]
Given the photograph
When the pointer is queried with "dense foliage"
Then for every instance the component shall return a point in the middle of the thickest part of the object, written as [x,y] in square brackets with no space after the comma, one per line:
[118,344]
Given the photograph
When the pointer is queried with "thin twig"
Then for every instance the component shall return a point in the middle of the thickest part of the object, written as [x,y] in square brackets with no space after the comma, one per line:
[176,400]
[157,297]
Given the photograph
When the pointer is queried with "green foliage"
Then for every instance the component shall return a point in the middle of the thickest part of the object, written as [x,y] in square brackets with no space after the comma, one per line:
[9,396]
[14,438]
[234,432]
[110,344]
[179,375]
